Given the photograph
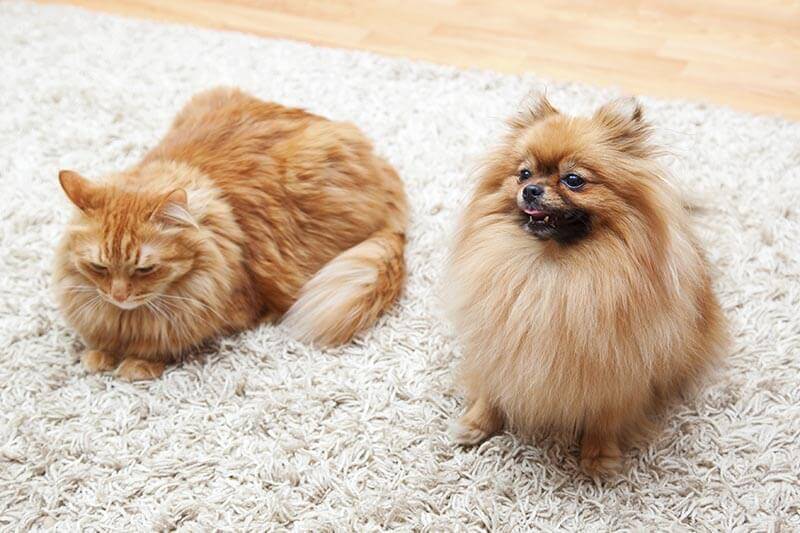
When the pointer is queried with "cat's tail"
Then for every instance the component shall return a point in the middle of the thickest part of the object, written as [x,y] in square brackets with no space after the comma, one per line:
[351,291]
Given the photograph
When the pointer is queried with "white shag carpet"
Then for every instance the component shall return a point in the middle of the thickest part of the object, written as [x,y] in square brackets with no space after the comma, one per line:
[262,432]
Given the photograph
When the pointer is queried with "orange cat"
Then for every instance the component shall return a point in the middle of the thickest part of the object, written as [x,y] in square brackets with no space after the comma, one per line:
[246,211]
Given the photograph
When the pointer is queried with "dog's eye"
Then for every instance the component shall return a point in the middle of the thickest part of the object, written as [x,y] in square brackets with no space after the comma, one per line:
[100,269]
[142,271]
[573,181]
[524,174]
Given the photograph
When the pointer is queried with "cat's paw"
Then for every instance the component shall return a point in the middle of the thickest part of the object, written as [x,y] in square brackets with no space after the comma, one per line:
[133,369]
[98,361]
[467,435]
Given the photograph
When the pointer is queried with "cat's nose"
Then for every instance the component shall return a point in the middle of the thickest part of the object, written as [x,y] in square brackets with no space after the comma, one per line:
[119,291]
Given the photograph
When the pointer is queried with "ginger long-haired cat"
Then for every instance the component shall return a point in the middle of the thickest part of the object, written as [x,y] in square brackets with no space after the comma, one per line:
[580,293]
[246,211]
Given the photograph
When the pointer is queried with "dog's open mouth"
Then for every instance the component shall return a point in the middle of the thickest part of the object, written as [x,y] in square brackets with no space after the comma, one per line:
[537,217]
[562,226]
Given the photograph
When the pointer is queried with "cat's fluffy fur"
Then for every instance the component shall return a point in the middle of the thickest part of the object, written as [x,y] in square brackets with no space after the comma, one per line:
[585,304]
[245,211]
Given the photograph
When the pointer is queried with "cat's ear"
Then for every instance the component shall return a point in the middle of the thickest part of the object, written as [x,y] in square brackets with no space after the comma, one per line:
[174,209]
[536,107]
[624,119]
[80,191]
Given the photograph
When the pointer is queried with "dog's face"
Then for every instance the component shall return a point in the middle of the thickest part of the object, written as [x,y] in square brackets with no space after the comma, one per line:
[564,178]
[551,193]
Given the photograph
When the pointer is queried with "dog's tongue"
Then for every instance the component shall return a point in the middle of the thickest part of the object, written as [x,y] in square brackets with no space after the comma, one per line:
[535,213]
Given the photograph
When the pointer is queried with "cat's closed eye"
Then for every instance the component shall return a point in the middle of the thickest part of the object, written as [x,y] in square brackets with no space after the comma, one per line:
[143,271]
[98,268]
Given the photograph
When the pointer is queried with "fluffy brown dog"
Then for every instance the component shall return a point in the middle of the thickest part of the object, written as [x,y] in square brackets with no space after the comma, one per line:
[580,293]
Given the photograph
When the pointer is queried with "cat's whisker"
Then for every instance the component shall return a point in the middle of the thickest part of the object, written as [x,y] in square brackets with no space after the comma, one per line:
[195,301]
[97,303]
[186,298]
[166,321]
[185,309]
[169,320]
[82,304]
[154,309]
[175,316]
[89,306]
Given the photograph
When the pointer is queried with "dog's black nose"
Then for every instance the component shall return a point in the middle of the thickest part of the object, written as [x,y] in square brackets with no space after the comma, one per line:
[531,192]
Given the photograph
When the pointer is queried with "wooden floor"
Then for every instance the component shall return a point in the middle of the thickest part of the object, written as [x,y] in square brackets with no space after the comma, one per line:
[744,53]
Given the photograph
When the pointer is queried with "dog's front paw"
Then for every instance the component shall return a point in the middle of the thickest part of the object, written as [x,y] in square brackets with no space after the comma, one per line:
[601,460]
[480,422]
[467,435]
[602,465]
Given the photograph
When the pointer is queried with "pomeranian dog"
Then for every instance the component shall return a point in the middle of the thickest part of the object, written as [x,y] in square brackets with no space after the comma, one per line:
[581,296]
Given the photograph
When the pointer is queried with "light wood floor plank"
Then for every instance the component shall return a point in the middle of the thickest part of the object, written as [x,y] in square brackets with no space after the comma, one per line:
[736,52]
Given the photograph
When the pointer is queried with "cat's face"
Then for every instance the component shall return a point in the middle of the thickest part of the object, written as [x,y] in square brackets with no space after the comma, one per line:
[129,246]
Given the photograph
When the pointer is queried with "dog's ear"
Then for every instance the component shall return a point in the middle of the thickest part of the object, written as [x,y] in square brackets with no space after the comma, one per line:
[628,107]
[535,108]
[624,121]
